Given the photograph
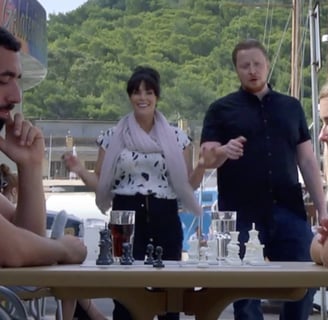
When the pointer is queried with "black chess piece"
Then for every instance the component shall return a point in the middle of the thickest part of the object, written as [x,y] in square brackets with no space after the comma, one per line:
[126,258]
[158,262]
[149,254]
[105,248]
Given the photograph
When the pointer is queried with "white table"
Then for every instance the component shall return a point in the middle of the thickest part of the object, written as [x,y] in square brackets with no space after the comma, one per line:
[128,284]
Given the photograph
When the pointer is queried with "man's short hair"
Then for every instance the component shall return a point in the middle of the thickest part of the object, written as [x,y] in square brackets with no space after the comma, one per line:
[8,40]
[245,45]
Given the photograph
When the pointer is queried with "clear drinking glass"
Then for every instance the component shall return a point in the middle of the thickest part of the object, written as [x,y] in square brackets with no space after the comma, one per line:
[222,223]
[121,225]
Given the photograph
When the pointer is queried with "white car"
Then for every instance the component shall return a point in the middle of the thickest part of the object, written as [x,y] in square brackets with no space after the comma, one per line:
[75,198]
[79,204]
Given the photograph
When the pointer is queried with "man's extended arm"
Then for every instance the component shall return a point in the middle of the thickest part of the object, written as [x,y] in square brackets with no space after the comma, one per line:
[20,247]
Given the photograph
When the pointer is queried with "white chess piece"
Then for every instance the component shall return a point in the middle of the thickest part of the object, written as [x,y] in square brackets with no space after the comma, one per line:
[254,248]
[193,252]
[202,258]
[212,253]
[233,249]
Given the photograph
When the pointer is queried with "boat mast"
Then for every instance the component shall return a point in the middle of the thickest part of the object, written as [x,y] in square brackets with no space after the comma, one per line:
[295,56]
[315,66]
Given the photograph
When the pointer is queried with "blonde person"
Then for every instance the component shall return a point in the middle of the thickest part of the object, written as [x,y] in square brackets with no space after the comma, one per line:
[323,136]
[8,183]
[319,246]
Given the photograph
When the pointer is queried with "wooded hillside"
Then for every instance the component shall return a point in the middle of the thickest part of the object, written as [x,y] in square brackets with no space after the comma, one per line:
[93,50]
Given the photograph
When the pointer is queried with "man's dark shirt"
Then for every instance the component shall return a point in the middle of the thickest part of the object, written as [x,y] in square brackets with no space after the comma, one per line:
[267,172]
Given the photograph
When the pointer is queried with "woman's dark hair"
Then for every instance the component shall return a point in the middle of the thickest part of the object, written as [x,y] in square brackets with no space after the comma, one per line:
[149,76]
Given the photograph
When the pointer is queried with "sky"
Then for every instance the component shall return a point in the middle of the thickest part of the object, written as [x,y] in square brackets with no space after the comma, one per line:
[60,6]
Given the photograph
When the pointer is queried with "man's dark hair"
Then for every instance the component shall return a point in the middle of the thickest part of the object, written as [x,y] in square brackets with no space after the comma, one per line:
[245,45]
[8,40]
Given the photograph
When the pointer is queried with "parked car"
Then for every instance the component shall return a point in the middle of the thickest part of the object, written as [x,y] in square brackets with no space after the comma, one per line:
[74,225]
[79,204]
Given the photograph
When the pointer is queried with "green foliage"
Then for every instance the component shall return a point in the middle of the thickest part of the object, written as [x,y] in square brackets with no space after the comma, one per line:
[93,50]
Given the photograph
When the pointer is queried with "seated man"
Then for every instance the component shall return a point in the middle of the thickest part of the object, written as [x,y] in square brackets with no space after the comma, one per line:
[22,228]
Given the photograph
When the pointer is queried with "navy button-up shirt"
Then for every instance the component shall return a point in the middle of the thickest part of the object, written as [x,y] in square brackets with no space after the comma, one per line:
[267,172]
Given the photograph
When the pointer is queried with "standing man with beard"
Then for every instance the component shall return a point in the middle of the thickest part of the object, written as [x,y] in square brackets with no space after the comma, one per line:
[22,227]
[256,138]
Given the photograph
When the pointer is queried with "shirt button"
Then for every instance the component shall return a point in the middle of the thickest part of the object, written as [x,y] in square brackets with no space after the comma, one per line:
[142,205]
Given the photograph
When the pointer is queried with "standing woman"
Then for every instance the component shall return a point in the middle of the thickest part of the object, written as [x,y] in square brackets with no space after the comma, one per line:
[145,167]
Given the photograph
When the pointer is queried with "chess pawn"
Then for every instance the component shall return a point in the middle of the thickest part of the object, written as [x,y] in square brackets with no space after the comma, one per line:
[193,252]
[149,254]
[203,263]
[212,253]
[126,258]
[233,249]
[158,262]
[222,243]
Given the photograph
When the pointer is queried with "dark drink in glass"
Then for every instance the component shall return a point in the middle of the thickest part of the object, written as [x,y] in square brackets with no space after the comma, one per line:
[121,224]
[121,233]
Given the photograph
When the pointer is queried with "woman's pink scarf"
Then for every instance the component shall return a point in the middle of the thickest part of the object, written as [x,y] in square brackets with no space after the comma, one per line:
[128,134]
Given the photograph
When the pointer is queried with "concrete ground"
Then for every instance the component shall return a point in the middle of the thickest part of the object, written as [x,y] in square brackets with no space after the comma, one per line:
[106,305]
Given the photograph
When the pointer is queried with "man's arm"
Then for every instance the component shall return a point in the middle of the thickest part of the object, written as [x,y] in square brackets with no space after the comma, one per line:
[74,164]
[311,175]
[24,144]
[20,247]
[316,249]
[213,154]
[195,174]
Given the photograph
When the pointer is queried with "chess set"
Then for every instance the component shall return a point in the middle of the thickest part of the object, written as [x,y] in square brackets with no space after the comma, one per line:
[200,256]
[223,249]
[105,257]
